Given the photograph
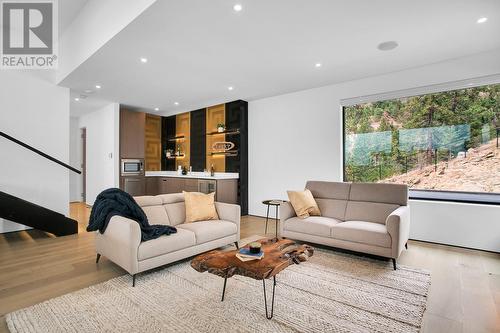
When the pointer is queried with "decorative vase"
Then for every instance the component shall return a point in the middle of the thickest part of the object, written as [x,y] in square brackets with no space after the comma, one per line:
[220,129]
[254,247]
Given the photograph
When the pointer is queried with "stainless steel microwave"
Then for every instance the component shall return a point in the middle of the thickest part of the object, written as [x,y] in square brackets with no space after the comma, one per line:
[132,167]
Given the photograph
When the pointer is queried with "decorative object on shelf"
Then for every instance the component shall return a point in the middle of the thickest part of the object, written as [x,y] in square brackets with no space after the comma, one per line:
[179,170]
[171,155]
[221,127]
[184,170]
[254,247]
[179,150]
[222,146]
[212,171]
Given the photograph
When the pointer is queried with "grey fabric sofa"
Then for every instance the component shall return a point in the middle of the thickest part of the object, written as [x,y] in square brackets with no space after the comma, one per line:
[121,242]
[364,217]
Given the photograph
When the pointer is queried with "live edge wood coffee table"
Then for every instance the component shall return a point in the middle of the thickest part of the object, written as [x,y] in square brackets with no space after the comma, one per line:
[278,255]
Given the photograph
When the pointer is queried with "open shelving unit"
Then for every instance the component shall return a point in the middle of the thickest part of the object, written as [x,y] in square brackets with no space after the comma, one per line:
[177,138]
[227,132]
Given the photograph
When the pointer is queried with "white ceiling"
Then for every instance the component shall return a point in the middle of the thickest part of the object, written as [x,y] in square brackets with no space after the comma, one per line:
[197,48]
[67,11]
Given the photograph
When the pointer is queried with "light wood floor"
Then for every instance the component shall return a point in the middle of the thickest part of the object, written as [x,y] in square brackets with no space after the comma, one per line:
[464,296]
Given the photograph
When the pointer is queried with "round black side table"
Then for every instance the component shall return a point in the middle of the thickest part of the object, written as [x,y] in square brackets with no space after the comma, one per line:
[275,203]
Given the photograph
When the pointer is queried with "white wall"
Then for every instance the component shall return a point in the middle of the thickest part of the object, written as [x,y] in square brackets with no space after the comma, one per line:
[75,159]
[298,137]
[102,149]
[36,112]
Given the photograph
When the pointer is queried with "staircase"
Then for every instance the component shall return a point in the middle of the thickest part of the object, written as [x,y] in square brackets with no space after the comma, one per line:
[32,215]
[24,212]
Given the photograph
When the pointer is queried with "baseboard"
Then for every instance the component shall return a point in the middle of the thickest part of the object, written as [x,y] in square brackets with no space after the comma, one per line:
[452,245]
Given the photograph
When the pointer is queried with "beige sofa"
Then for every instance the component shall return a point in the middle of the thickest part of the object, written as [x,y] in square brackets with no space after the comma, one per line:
[369,218]
[121,242]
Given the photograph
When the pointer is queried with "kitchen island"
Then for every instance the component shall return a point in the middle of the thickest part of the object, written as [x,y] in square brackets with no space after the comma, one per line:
[224,184]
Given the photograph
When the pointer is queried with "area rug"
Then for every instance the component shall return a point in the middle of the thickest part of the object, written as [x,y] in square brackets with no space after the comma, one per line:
[332,292]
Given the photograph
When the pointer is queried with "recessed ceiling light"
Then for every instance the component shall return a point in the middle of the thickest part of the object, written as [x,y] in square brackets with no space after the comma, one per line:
[238,7]
[230,88]
[176,103]
[144,60]
[88,91]
[157,109]
[387,46]
[77,99]
[317,65]
[97,86]
[482,20]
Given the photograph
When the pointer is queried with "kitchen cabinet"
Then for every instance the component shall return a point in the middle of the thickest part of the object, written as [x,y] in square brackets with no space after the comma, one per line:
[152,186]
[132,134]
[135,186]
[226,190]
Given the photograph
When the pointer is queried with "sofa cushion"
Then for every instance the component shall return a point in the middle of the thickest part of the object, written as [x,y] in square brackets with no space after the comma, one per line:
[148,200]
[312,225]
[383,193]
[368,211]
[362,232]
[333,208]
[329,190]
[206,231]
[200,206]
[171,198]
[176,212]
[156,215]
[166,244]
[303,203]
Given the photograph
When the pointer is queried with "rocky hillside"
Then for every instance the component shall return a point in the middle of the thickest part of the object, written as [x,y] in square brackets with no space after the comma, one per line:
[479,171]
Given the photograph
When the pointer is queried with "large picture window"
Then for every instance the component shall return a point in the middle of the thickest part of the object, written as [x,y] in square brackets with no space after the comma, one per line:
[445,141]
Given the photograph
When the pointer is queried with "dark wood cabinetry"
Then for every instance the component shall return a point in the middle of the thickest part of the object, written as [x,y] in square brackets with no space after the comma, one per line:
[135,186]
[132,134]
[226,189]
[194,136]
[132,146]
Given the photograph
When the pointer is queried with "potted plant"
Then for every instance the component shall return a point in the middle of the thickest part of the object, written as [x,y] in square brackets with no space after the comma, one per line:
[221,127]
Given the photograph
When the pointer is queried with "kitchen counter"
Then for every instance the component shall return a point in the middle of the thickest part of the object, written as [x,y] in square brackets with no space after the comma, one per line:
[193,175]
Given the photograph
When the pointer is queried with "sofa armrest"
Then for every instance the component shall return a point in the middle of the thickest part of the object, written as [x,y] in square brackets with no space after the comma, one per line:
[398,226]
[120,242]
[286,212]
[229,212]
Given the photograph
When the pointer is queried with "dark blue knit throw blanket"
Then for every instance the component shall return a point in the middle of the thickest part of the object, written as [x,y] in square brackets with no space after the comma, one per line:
[114,201]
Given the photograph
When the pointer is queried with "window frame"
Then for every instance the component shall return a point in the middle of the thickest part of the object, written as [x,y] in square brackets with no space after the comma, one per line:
[483,198]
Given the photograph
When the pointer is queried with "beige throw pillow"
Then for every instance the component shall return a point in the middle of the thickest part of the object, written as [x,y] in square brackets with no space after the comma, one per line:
[303,203]
[200,206]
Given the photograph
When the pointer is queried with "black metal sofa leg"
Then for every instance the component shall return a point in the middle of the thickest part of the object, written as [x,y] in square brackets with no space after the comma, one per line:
[97,258]
[133,280]
[394,263]
[237,246]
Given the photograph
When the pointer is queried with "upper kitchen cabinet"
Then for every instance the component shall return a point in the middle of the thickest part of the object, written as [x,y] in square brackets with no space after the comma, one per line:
[132,134]
[153,143]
